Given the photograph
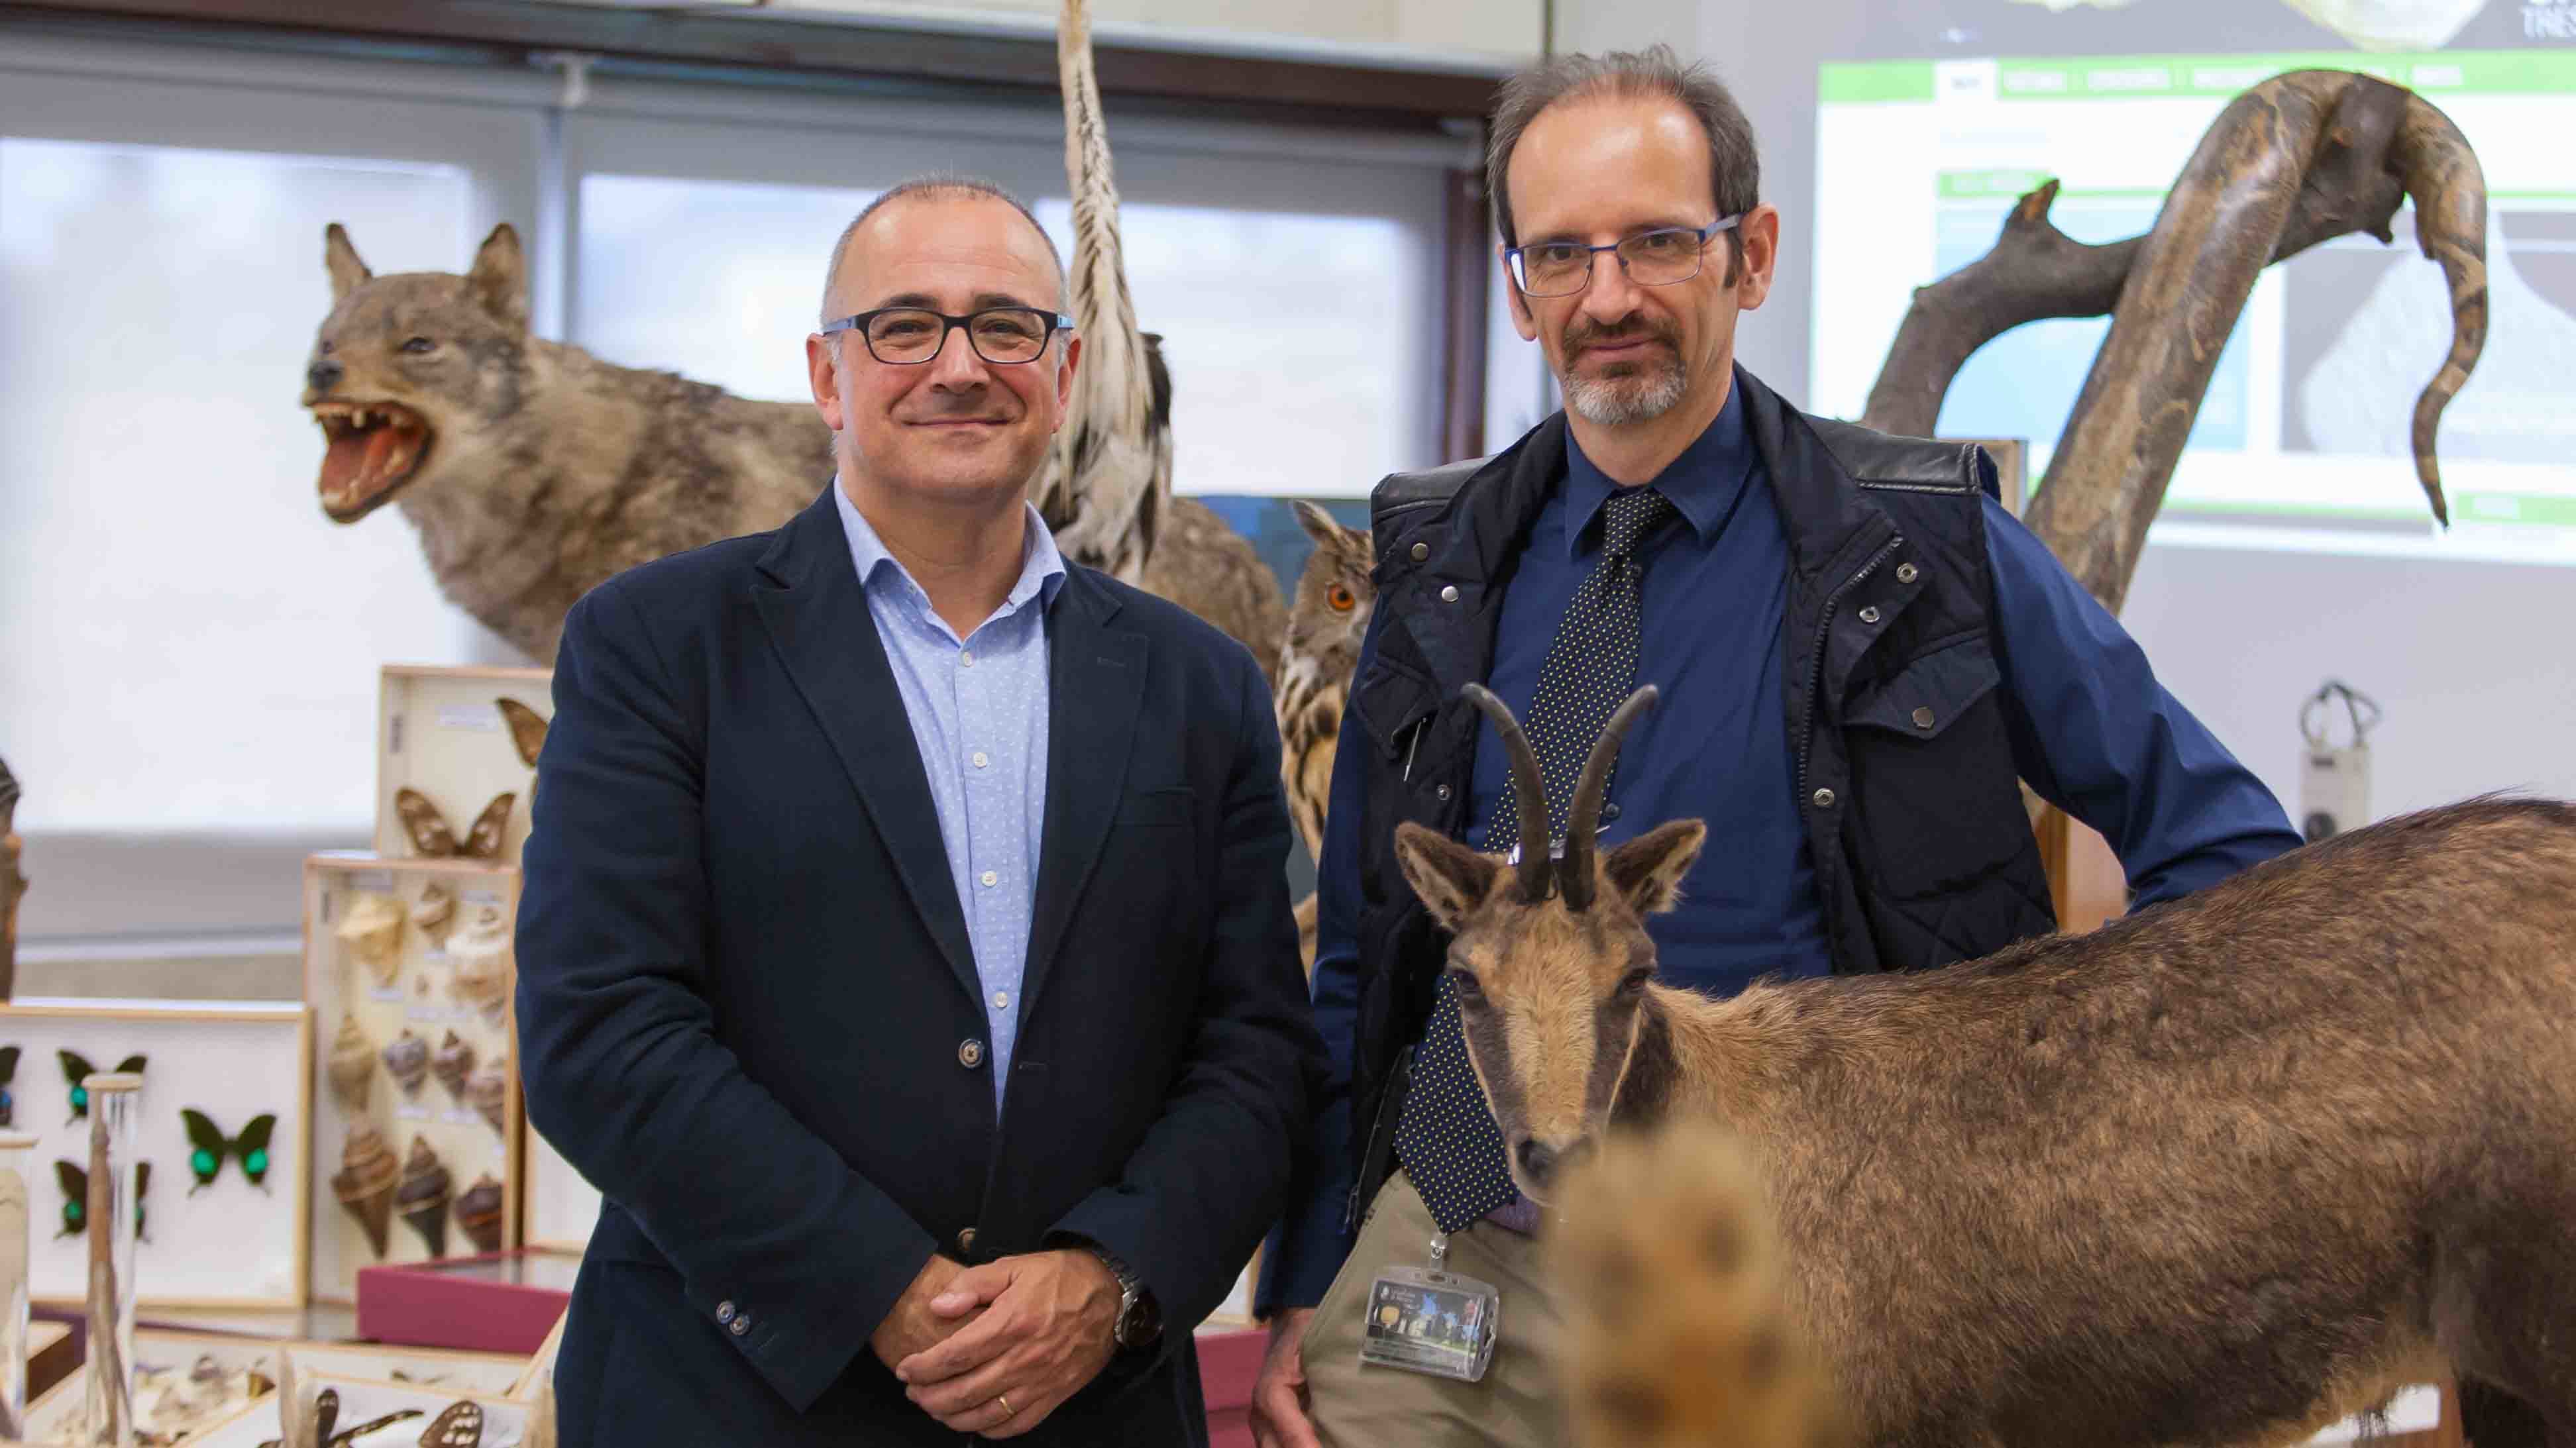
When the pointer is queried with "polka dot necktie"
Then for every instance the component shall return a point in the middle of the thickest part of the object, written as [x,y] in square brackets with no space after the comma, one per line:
[1447,1140]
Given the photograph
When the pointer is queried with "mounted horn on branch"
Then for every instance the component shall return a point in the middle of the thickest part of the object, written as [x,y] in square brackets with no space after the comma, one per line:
[2301,158]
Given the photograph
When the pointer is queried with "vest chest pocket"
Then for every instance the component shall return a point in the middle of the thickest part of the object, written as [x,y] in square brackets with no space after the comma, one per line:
[1937,803]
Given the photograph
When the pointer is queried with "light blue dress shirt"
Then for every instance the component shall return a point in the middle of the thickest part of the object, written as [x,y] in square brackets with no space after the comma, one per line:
[978,707]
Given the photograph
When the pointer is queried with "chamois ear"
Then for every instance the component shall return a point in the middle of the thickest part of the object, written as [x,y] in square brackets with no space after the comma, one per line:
[499,280]
[1647,871]
[341,260]
[1452,879]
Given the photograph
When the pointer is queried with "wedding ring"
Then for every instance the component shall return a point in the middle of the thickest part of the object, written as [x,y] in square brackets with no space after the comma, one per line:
[1008,1412]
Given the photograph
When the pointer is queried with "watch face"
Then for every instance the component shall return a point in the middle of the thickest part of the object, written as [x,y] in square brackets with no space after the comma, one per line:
[1140,1323]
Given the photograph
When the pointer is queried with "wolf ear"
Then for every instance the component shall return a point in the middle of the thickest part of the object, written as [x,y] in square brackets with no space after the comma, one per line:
[341,260]
[500,278]
[1450,878]
[1647,871]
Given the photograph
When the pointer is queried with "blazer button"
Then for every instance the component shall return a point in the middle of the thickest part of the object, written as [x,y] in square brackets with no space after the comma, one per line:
[725,1314]
[970,1053]
[1421,551]
[1923,718]
[966,1242]
[741,1326]
[1449,593]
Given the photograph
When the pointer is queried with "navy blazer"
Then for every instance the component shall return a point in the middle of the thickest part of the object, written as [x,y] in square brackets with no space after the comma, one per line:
[748,1010]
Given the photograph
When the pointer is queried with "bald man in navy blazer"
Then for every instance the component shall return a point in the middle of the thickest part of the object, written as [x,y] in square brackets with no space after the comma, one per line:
[906,950]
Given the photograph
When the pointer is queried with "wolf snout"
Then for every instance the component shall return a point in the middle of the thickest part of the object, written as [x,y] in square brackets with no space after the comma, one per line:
[323,375]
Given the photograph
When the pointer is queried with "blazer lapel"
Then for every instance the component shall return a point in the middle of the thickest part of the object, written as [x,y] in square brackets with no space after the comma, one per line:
[1096,678]
[818,618]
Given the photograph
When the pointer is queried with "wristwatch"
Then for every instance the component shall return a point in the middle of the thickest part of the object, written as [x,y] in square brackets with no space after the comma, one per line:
[1140,1322]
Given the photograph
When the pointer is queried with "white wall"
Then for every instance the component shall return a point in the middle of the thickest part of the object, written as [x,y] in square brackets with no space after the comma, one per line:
[2471,661]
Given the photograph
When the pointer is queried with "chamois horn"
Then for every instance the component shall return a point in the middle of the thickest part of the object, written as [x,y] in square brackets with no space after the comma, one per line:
[2441,173]
[1574,873]
[1529,790]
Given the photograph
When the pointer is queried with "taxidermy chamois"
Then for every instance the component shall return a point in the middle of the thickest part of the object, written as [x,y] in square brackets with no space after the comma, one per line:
[2218,1173]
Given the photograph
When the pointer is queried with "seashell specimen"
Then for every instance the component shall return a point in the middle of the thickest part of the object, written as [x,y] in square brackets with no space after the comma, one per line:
[478,1213]
[407,1059]
[423,1196]
[435,911]
[366,1182]
[488,1091]
[452,1064]
[372,931]
[352,1067]
[482,953]
[459,1425]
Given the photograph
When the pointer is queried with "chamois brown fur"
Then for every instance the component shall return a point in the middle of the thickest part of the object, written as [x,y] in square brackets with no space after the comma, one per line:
[2218,1173]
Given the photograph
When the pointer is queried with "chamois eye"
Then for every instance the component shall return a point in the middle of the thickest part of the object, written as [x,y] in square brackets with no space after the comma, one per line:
[1634,983]
[420,344]
[1342,599]
[1465,983]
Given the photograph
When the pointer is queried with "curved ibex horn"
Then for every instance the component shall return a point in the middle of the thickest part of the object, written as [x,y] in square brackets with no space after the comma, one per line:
[1574,873]
[1528,788]
[2435,165]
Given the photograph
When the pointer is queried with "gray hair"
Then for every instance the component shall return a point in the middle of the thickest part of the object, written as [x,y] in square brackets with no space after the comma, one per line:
[1735,168]
[937,186]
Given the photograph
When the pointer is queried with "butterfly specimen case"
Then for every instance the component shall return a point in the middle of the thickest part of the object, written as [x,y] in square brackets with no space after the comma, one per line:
[219,1143]
[456,760]
[416,1119]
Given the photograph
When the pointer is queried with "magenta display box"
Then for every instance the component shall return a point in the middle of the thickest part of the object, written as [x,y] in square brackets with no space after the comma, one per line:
[498,1302]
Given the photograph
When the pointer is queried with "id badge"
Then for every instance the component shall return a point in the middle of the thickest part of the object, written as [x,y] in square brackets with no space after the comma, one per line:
[1424,1320]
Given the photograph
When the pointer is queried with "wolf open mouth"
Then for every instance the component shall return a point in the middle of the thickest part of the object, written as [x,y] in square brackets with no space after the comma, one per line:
[374,448]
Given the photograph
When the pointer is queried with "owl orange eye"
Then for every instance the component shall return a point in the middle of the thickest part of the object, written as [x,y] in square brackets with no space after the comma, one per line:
[1341,598]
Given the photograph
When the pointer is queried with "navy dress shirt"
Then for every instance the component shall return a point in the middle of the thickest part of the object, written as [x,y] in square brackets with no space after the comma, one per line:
[2090,729]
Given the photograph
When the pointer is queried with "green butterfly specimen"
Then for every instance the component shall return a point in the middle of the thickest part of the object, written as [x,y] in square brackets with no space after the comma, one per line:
[76,1198]
[76,1069]
[212,1146]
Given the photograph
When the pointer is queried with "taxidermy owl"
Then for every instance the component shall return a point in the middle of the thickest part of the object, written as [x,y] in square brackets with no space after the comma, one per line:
[1314,678]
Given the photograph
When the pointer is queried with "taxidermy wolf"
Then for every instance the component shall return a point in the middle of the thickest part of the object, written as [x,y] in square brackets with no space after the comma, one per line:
[534,470]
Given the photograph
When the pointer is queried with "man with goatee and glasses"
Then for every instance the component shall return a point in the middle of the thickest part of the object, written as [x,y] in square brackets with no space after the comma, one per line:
[1859,653]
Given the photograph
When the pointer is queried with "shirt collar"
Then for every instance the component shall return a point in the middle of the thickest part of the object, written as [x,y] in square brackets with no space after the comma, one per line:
[1041,566]
[1704,483]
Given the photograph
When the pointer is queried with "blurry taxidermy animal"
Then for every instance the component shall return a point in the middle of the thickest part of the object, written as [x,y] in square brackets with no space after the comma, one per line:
[534,471]
[1329,616]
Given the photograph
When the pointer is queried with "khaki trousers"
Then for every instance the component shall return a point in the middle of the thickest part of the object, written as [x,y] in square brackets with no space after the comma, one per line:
[1363,1405]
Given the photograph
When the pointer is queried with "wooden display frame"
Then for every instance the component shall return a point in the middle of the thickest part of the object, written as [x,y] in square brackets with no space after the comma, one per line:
[439,732]
[266,1046]
[52,1412]
[421,999]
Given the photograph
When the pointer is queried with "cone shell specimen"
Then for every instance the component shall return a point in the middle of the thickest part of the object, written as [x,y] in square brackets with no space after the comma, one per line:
[366,1182]
[435,911]
[407,1060]
[488,1090]
[372,931]
[453,1063]
[478,1213]
[423,1196]
[482,952]
[352,1065]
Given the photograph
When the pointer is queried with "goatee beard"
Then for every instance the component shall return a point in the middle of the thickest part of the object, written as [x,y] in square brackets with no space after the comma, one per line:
[1650,392]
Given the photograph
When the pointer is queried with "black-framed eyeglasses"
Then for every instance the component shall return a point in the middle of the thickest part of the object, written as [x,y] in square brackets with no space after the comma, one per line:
[1655,258]
[908,336]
